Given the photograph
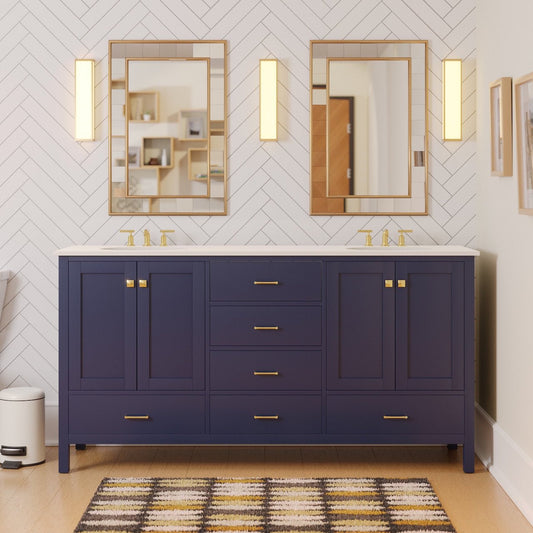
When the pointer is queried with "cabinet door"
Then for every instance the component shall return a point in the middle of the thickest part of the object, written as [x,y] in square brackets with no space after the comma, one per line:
[171,325]
[102,325]
[430,325]
[360,326]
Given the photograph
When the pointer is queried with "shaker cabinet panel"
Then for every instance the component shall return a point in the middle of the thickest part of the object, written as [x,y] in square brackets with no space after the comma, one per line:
[102,325]
[430,320]
[171,331]
[360,326]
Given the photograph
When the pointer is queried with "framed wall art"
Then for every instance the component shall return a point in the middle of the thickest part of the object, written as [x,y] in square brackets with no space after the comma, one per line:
[524,139]
[501,130]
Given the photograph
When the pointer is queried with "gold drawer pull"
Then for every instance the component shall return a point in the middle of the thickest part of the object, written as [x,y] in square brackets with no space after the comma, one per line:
[260,328]
[393,417]
[143,283]
[266,282]
[266,417]
[401,283]
[388,283]
[130,283]
[136,417]
[256,373]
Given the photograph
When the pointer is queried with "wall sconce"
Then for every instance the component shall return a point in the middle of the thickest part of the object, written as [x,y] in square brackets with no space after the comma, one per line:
[452,94]
[268,99]
[84,95]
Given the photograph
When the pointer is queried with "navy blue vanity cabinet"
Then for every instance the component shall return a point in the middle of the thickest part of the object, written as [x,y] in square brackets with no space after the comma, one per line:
[400,351]
[134,369]
[266,350]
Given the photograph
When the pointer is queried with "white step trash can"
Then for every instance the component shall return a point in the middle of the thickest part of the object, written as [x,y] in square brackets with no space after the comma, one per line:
[21,427]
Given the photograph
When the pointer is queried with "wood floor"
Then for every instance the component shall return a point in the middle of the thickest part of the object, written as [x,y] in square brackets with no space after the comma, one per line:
[39,500]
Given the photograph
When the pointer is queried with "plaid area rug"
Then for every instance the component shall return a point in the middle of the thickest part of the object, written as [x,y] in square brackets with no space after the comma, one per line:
[267,505]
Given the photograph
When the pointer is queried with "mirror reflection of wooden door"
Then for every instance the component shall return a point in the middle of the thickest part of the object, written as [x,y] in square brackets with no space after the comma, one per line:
[340,146]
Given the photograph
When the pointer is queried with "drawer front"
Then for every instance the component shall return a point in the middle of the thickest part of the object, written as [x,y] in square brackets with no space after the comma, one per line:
[265,415]
[265,370]
[270,281]
[365,414]
[266,326]
[106,414]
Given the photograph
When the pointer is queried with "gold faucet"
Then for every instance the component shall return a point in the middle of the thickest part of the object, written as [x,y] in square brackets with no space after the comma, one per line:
[385,238]
[164,236]
[368,241]
[146,234]
[130,236]
[401,236]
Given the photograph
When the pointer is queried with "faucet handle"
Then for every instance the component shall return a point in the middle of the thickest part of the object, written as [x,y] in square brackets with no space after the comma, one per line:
[401,236]
[130,236]
[164,236]
[368,241]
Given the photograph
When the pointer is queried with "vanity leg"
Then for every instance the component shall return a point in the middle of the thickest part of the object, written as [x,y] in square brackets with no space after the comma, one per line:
[452,446]
[469,457]
[81,446]
[64,457]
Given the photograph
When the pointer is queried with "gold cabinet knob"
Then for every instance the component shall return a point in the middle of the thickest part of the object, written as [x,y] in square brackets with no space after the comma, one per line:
[368,240]
[395,417]
[130,283]
[130,236]
[401,283]
[266,417]
[263,328]
[143,283]
[261,373]
[401,236]
[388,283]
[136,417]
[164,236]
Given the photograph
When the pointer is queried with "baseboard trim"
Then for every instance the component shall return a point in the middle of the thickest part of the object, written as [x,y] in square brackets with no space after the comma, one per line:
[506,461]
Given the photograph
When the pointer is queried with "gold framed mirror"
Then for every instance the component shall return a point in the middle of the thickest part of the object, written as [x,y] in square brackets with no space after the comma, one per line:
[368,107]
[167,128]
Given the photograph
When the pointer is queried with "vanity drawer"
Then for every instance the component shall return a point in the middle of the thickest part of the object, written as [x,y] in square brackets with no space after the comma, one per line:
[106,414]
[247,326]
[364,414]
[269,415]
[265,370]
[270,281]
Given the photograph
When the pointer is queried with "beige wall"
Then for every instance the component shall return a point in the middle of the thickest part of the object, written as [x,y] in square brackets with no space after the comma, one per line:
[505,42]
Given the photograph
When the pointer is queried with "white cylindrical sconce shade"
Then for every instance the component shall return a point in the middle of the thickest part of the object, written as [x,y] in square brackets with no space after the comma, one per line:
[84,95]
[452,80]
[268,99]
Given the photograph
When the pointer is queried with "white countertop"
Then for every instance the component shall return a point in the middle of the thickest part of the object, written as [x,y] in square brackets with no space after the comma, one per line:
[273,250]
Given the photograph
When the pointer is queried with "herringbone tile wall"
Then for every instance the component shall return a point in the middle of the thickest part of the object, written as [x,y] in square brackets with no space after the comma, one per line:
[53,191]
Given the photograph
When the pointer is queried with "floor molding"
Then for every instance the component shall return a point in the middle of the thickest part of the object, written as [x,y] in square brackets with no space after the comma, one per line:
[506,461]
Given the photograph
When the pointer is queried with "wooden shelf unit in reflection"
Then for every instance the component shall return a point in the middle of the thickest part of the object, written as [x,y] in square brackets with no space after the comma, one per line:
[142,103]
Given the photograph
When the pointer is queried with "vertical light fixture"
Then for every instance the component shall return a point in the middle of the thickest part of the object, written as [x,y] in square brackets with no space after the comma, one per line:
[84,95]
[452,78]
[268,99]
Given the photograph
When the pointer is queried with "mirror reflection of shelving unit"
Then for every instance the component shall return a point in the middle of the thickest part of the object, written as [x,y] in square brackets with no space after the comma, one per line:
[197,164]
[156,149]
[143,104]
